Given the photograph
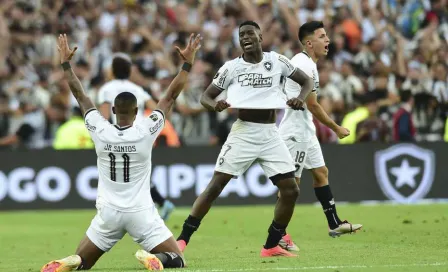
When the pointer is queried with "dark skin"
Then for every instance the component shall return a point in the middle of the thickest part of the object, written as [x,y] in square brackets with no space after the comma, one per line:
[250,42]
[254,54]
[87,250]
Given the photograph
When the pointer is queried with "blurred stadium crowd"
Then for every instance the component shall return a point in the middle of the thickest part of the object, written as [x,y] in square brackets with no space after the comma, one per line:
[385,77]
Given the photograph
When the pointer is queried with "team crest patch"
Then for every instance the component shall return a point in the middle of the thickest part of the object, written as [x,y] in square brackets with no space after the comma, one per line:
[154,117]
[268,66]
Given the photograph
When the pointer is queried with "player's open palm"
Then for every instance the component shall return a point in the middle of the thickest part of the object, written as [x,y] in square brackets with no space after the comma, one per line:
[194,44]
[342,132]
[65,52]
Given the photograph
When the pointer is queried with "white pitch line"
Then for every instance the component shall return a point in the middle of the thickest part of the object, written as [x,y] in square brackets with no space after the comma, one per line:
[317,267]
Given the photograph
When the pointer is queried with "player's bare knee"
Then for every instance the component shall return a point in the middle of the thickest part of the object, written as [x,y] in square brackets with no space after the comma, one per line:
[215,187]
[324,171]
[320,176]
[289,190]
[294,193]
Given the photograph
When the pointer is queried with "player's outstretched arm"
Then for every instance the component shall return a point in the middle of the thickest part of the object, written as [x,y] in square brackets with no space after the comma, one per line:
[75,85]
[177,85]
[306,83]
[316,109]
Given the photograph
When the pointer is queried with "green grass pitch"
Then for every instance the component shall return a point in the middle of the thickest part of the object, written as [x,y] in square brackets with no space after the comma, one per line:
[394,238]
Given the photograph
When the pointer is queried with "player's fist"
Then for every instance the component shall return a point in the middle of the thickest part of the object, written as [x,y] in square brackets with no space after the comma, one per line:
[65,52]
[342,132]
[221,105]
[295,104]
[193,46]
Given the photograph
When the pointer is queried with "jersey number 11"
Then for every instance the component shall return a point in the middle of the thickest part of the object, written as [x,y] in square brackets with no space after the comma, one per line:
[113,170]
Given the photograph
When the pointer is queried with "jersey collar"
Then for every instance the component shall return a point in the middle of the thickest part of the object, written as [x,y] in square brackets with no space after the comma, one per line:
[122,128]
[245,62]
[304,52]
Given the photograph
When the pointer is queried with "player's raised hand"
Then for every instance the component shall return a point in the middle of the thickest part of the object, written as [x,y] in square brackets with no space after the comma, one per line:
[193,46]
[221,105]
[295,104]
[342,132]
[65,52]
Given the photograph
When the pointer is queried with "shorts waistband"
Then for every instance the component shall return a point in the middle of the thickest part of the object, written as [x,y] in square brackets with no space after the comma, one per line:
[257,125]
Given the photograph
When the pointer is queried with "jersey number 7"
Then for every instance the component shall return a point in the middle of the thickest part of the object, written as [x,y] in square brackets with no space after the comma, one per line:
[113,170]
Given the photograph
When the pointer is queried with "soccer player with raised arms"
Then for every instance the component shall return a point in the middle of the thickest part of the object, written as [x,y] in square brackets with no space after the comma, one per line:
[299,133]
[254,84]
[124,152]
[121,68]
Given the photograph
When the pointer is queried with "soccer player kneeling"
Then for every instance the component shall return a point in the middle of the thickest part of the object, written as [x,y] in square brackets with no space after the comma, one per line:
[124,166]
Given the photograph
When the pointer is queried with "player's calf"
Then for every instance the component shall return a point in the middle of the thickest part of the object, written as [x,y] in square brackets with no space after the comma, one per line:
[88,252]
[201,207]
[289,191]
[288,194]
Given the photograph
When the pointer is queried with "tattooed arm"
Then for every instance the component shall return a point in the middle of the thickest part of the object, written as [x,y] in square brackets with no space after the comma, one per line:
[73,82]
[77,90]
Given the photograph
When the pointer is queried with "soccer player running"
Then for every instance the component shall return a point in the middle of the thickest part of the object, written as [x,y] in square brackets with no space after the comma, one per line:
[121,71]
[124,166]
[256,79]
[299,133]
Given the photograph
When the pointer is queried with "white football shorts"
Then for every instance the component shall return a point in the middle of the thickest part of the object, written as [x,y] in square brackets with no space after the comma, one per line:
[306,155]
[145,227]
[253,142]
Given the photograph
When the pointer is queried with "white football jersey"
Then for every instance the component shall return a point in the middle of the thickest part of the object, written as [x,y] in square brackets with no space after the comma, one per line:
[111,89]
[124,160]
[255,85]
[299,124]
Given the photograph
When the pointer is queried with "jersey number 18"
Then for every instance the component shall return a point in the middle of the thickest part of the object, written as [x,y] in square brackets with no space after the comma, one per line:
[113,170]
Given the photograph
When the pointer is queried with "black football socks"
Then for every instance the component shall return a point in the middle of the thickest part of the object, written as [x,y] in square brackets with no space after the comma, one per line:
[190,226]
[276,232]
[326,199]
[157,197]
[170,260]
